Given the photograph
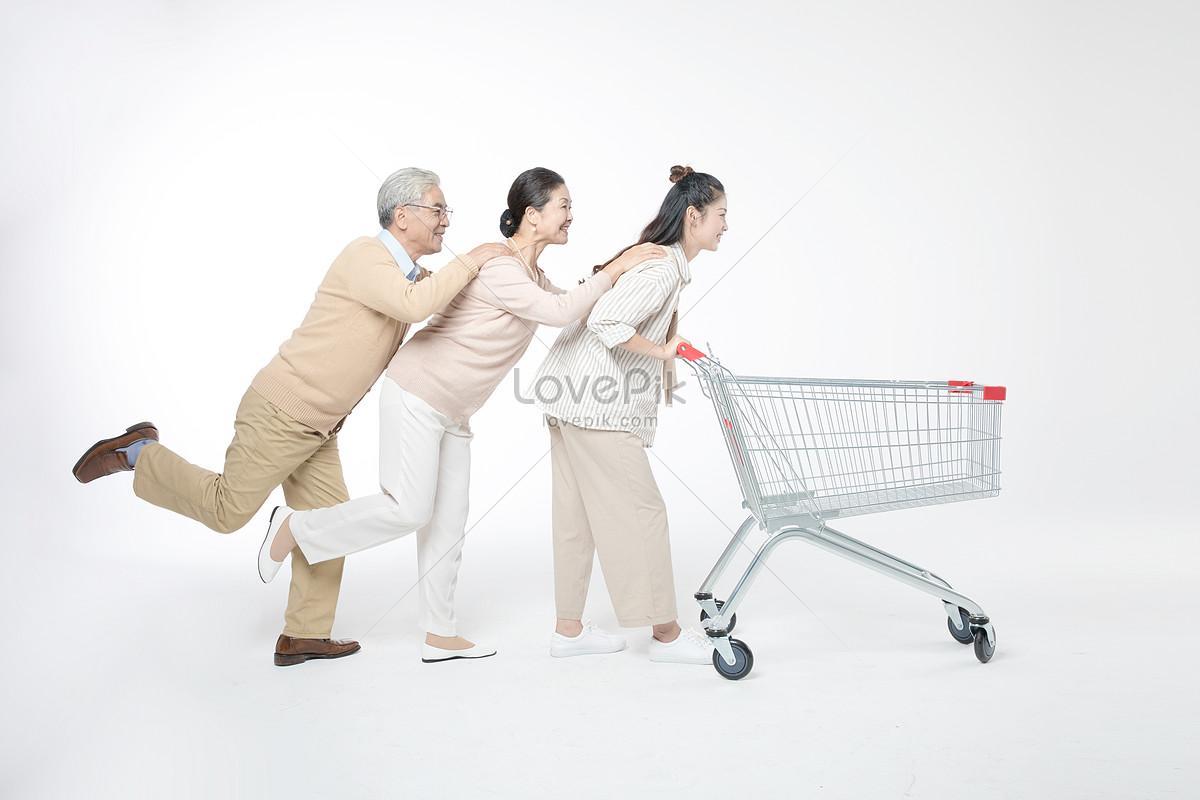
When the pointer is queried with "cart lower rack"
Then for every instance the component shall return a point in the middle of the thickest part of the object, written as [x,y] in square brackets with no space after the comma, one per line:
[807,451]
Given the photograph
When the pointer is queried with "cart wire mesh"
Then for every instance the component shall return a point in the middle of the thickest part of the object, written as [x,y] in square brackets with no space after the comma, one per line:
[837,448]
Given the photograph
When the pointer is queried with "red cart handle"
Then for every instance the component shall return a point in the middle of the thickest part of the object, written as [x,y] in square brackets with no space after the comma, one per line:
[989,392]
[689,352]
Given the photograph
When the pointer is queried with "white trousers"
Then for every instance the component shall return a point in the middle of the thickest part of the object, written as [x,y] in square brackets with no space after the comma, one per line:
[425,478]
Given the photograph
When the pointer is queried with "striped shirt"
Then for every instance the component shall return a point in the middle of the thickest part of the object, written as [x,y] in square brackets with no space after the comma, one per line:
[589,382]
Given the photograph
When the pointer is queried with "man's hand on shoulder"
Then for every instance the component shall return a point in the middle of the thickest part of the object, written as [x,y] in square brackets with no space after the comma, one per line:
[487,251]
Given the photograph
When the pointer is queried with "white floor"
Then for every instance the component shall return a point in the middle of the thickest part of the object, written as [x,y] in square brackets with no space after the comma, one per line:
[139,670]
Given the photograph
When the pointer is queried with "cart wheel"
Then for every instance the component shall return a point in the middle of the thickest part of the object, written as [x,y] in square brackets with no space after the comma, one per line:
[966,635]
[743,661]
[732,620]
[983,649]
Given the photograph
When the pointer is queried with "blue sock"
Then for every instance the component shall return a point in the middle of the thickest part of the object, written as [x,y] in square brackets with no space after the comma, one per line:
[131,452]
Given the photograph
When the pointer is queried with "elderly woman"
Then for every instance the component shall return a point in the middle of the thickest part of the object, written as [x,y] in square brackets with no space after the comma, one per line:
[432,386]
[605,499]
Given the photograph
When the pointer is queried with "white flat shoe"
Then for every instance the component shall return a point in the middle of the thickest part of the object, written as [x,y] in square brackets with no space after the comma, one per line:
[267,566]
[431,654]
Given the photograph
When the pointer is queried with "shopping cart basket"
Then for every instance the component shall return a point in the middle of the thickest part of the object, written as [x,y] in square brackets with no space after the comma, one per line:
[808,451]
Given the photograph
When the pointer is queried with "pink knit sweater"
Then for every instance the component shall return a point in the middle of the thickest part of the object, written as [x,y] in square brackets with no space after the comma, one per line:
[459,358]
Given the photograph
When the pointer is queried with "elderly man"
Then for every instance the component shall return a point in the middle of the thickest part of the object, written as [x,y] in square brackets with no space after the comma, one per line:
[285,431]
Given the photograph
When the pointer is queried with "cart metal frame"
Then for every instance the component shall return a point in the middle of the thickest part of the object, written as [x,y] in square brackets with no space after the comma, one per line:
[808,450]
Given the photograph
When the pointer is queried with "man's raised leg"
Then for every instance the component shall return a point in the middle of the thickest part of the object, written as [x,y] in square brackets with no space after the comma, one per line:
[267,446]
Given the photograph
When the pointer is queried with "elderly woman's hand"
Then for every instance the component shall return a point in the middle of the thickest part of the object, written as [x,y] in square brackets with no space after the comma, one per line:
[638,254]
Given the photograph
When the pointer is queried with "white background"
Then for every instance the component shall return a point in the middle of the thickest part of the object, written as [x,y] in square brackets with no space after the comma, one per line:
[997,192]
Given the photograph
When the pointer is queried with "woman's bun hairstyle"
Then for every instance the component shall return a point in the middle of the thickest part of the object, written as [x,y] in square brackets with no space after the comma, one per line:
[508,226]
[698,192]
[678,173]
[532,187]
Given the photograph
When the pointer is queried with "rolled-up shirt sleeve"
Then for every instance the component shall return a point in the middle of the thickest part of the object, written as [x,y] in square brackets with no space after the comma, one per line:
[636,296]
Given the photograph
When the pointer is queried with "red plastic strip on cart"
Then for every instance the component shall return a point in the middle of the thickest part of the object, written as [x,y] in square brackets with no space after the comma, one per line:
[689,352]
[989,392]
[732,438]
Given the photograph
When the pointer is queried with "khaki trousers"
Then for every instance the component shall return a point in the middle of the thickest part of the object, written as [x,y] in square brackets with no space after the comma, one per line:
[606,502]
[269,449]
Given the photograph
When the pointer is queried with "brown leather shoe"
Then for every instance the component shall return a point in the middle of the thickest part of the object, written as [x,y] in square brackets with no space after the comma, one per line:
[290,651]
[103,459]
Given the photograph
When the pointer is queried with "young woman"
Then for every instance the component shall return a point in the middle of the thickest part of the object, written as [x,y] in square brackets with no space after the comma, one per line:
[432,386]
[605,499]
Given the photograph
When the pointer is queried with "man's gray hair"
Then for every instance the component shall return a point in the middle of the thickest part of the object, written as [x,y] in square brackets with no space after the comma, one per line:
[402,187]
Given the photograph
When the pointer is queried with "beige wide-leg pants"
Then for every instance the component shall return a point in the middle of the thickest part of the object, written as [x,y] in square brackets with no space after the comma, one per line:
[269,449]
[607,503]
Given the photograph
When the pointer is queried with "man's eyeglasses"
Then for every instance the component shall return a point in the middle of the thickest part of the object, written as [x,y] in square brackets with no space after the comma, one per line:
[442,211]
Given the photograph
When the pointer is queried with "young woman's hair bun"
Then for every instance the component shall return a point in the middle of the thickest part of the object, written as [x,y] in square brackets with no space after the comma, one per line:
[508,226]
[678,173]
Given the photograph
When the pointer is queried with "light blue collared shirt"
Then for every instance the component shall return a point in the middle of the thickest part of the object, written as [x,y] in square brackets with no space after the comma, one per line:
[402,260]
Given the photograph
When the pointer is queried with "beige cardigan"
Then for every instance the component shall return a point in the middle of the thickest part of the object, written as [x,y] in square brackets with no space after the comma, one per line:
[456,361]
[358,318]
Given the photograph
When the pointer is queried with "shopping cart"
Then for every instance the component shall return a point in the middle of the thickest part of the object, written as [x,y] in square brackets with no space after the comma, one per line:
[809,451]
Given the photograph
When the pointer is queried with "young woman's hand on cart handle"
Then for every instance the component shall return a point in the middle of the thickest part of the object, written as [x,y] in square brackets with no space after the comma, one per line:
[644,347]
[672,348]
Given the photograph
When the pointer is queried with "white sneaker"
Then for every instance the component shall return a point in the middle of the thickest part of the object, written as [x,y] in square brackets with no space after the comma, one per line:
[690,647]
[590,641]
